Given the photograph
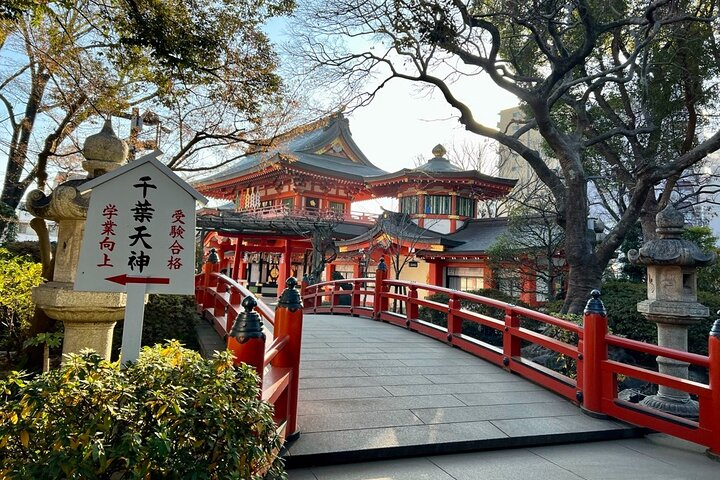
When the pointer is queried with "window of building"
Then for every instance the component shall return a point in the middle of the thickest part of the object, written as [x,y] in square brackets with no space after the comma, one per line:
[465,207]
[465,278]
[337,207]
[408,204]
[312,203]
[438,204]
[288,203]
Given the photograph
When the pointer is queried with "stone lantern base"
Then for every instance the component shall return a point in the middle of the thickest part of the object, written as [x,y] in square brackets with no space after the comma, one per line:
[680,406]
[89,317]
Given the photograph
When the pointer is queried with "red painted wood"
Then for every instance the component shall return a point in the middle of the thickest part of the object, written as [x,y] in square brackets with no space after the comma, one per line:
[714,374]
[594,354]
[596,375]
[289,323]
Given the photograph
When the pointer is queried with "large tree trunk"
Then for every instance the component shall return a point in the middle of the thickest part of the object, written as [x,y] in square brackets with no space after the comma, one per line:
[14,188]
[582,280]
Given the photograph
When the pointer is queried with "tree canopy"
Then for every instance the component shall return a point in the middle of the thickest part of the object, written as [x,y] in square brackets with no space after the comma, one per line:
[204,70]
[622,90]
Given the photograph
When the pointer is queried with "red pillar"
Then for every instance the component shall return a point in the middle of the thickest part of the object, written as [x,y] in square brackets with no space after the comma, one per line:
[285,266]
[435,272]
[288,321]
[714,374]
[237,260]
[594,353]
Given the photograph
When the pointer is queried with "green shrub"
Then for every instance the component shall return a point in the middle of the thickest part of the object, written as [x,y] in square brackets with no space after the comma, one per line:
[18,275]
[170,415]
[698,333]
[25,248]
[167,317]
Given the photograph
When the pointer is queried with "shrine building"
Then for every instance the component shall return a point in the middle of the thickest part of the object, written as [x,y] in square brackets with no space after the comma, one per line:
[282,199]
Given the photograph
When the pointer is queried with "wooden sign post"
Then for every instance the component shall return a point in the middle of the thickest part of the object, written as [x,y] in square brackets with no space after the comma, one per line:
[139,238]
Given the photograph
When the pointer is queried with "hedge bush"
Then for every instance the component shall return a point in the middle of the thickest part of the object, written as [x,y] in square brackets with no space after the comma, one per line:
[167,317]
[621,299]
[171,414]
[18,276]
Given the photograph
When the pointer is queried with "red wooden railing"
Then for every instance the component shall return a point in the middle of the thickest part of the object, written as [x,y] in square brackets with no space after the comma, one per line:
[589,379]
[274,353]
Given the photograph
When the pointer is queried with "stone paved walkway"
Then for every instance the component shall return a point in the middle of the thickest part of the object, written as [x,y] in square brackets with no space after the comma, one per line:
[369,391]
[657,457]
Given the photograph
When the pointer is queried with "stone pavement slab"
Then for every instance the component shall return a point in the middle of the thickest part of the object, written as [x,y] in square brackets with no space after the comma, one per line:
[370,391]
[655,457]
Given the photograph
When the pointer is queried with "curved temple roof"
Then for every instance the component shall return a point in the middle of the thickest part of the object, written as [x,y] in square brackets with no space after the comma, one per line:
[325,147]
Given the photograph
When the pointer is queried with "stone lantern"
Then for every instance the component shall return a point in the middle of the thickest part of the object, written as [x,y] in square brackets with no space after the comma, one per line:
[672,305]
[88,317]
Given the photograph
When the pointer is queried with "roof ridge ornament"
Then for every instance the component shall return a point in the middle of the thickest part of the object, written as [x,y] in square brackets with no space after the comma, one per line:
[439,151]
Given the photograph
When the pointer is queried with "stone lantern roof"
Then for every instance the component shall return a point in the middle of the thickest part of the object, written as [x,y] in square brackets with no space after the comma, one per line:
[103,151]
[670,249]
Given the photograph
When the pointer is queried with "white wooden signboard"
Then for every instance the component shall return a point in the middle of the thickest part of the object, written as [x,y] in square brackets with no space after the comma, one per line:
[139,238]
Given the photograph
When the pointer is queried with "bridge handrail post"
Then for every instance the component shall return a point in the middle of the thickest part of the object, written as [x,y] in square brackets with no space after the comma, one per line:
[413,309]
[304,285]
[246,340]
[454,323]
[288,321]
[594,352]
[714,383]
[355,299]
[334,295]
[380,301]
[207,271]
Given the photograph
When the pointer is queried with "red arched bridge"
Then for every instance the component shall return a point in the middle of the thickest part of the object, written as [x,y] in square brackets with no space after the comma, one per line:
[368,390]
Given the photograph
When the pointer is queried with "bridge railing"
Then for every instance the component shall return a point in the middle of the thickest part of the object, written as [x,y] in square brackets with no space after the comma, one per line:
[602,378]
[502,333]
[236,316]
[346,297]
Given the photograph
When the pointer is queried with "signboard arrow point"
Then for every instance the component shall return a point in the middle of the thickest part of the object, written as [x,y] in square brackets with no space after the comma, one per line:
[124,279]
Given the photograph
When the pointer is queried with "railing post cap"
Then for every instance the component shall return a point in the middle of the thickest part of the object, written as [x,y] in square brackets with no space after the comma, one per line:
[213,256]
[381,266]
[290,297]
[249,303]
[248,324]
[715,330]
[595,305]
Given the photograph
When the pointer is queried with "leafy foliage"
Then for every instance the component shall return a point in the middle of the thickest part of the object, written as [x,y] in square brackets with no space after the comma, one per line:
[26,248]
[170,415]
[622,91]
[18,275]
[203,72]
[708,278]
[535,241]
[621,299]
[167,317]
